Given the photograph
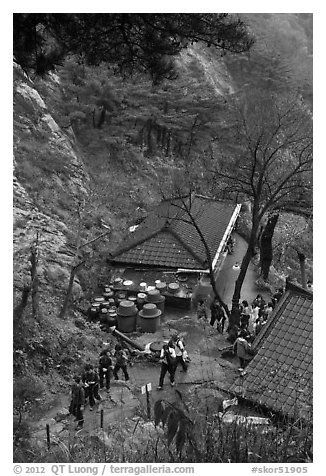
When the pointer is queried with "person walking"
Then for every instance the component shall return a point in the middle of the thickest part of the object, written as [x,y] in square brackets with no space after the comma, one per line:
[269,309]
[180,352]
[168,364]
[104,369]
[201,309]
[217,314]
[90,380]
[77,401]
[277,296]
[121,362]
[259,301]
[242,349]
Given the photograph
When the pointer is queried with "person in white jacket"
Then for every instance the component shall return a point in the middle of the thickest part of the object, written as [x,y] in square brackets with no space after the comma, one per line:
[180,352]
[168,361]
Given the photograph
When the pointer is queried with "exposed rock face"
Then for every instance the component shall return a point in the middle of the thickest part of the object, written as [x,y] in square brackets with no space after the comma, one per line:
[49,182]
[215,71]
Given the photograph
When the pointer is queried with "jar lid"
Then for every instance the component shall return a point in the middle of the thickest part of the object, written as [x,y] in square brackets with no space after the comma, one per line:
[141,295]
[99,299]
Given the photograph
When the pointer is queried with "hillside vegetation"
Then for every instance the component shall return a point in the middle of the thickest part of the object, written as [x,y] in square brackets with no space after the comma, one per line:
[94,147]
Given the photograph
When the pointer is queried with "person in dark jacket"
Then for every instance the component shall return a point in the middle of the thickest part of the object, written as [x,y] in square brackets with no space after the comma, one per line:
[259,301]
[90,380]
[168,361]
[242,350]
[201,309]
[217,314]
[104,369]
[277,296]
[77,401]
[121,362]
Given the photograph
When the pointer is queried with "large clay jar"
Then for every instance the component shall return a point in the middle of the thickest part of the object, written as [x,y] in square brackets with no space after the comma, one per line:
[112,318]
[173,288]
[154,296]
[126,316]
[161,286]
[149,318]
[93,311]
[104,315]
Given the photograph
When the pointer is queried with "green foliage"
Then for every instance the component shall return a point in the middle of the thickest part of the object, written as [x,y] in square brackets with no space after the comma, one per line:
[26,390]
[131,42]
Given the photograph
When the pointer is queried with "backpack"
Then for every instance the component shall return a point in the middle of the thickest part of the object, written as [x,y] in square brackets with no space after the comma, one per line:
[105,361]
[182,344]
[122,358]
[171,361]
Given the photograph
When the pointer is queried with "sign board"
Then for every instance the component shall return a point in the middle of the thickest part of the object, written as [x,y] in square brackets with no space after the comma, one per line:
[147,387]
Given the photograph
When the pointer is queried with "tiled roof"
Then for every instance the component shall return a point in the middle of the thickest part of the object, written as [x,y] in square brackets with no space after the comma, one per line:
[280,375]
[162,249]
[166,238]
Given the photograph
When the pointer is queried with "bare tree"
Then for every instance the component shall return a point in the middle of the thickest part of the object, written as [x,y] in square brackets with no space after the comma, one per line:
[182,199]
[266,157]
[78,260]
[32,287]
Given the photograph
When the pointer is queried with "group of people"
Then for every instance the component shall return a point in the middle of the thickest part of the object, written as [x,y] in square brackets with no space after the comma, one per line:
[254,317]
[172,354]
[252,320]
[86,387]
[217,314]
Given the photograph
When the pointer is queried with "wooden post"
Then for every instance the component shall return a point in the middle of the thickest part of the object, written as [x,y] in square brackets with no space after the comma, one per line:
[148,404]
[102,417]
[48,435]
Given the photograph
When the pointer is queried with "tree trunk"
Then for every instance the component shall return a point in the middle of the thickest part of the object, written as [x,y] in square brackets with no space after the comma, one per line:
[168,144]
[149,127]
[74,268]
[209,261]
[101,118]
[234,319]
[19,309]
[69,291]
[302,260]
[34,281]
[266,248]
[218,297]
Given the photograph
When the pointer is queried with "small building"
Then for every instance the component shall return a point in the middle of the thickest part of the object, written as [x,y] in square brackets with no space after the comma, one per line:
[168,244]
[280,376]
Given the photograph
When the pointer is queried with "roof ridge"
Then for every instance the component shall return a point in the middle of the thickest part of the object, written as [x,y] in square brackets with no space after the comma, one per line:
[214,199]
[186,246]
[119,251]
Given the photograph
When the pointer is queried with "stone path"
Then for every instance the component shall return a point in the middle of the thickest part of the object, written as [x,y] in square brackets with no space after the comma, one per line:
[227,277]
[203,345]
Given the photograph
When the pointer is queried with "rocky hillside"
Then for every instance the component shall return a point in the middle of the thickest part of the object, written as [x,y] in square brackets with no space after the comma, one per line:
[49,182]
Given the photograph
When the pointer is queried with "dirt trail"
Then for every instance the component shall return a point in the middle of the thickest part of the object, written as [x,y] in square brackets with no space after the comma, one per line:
[126,400]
